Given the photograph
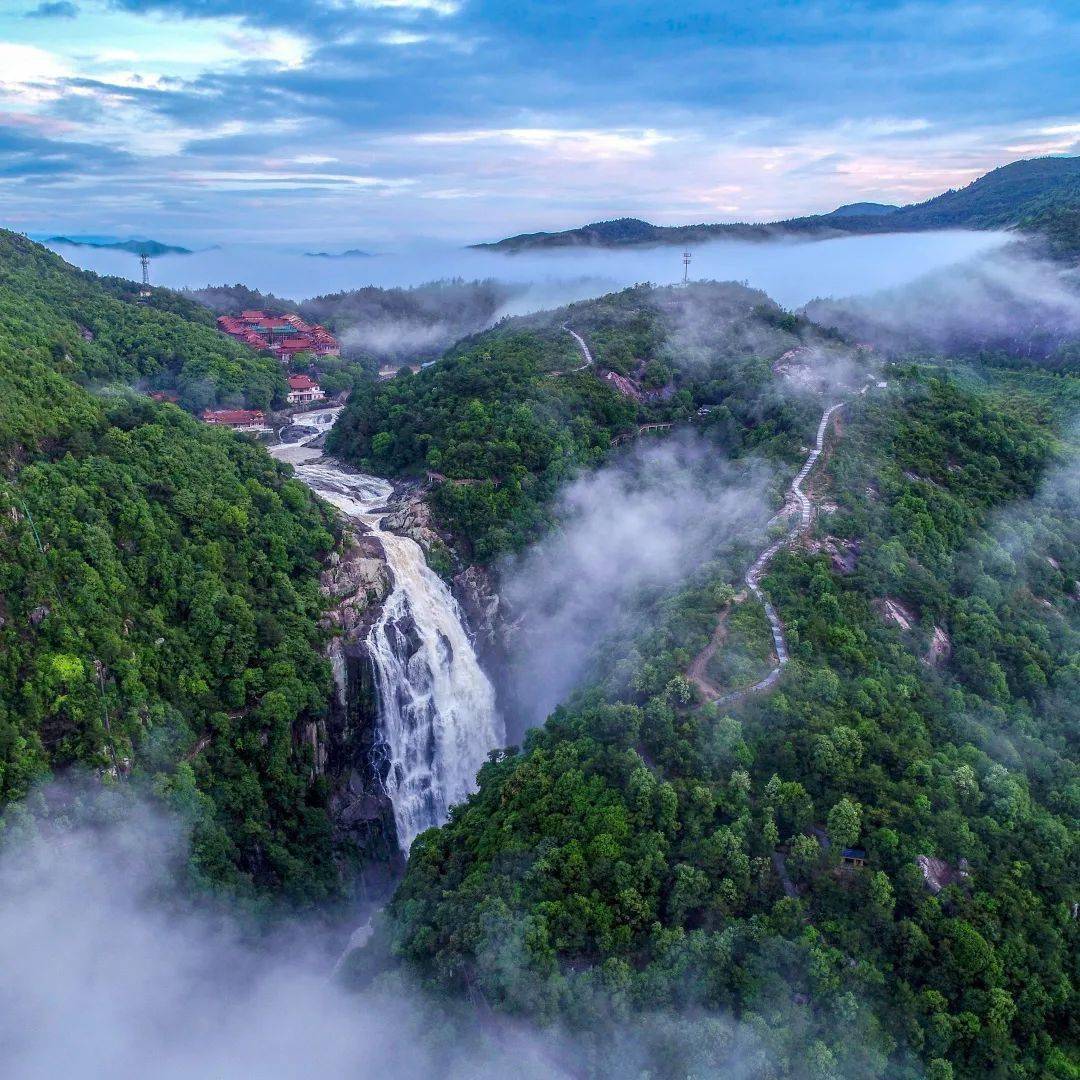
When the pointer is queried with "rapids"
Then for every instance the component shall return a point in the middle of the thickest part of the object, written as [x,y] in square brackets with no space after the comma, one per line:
[436,707]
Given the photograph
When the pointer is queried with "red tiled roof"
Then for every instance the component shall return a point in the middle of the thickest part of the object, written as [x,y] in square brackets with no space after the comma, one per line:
[231,416]
[302,382]
[255,328]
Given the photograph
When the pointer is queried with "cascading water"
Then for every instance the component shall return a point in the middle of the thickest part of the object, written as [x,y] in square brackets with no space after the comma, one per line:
[436,706]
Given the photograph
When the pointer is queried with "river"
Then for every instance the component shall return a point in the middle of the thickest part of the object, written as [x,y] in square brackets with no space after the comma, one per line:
[436,707]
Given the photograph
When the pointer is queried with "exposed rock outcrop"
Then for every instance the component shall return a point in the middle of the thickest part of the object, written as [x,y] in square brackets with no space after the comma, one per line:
[843,554]
[940,648]
[895,612]
[938,874]
[357,581]
[344,747]
[474,590]
[412,518]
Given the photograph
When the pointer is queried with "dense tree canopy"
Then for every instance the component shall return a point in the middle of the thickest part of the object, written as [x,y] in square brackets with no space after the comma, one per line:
[625,861]
[159,603]
[96,331]
[510,415]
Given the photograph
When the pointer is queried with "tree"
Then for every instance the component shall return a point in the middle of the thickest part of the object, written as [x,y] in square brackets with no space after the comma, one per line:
[803,856]
[843,823]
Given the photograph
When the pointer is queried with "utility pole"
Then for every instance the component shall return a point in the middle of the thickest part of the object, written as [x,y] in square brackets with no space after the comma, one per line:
[686,267]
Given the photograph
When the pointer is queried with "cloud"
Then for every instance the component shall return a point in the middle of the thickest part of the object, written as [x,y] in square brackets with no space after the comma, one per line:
[109,970]
[564,113]
[25,154]
[53,9]
[28,64]
[643,524]
[437,7]
[567,143]
[1007,299]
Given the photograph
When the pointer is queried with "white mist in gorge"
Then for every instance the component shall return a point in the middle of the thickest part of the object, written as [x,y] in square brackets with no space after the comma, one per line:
[646,522]
[1006,299]
[111,973]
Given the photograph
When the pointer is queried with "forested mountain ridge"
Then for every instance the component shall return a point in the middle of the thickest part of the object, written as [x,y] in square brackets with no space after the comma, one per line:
[94,330]
[1040,196]
[153,248]
[159,592]
[623,864]
[510,414]
[650,859]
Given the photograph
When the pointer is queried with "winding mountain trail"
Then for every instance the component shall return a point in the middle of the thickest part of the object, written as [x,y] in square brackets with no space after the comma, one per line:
[697,672]
[585,351]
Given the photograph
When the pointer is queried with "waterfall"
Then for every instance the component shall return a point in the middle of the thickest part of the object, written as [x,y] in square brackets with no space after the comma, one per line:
[436,707]
[437,713]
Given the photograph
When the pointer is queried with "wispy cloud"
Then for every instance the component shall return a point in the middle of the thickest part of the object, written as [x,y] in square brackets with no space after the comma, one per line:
[550,115]
[53,9]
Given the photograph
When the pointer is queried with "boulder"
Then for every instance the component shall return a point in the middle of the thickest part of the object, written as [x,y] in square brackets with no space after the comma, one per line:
[357,581]
[412,518]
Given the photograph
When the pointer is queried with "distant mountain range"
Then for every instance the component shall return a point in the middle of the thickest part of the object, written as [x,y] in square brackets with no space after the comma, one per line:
[1040,195]
[352,253]
[136,247]
[863,209]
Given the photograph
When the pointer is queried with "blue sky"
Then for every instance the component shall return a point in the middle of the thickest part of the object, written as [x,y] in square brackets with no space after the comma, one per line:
[376,121]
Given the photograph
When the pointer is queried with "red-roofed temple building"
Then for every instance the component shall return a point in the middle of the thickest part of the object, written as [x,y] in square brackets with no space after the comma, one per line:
[237,419]
[282,335]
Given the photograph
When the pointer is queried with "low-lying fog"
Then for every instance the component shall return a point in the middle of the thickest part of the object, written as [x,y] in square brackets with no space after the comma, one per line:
[112,971]
[792,272]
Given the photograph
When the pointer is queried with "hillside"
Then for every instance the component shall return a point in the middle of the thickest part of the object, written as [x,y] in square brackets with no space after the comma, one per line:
[652,859]
[379,326]
[159,598]
[863,209]
[1032,195]
[96,331]
[153,248]
[508,415]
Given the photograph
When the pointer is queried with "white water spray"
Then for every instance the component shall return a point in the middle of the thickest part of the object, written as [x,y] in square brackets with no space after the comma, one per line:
[436,706]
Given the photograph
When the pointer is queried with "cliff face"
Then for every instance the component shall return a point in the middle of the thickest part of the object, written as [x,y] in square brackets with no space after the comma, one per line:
[346,748]
[411,517]
[345,745]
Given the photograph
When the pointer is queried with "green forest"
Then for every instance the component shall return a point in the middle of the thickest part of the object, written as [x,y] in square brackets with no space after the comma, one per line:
[626,865]
[623,861]
[159,599]
[97,331]
[507,416]
[645,862]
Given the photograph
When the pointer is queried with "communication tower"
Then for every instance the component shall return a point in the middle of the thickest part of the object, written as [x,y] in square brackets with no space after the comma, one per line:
[144,292]
[686,267]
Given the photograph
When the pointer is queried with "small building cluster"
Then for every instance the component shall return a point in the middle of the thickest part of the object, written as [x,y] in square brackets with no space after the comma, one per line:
[237,419]
[282,335]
